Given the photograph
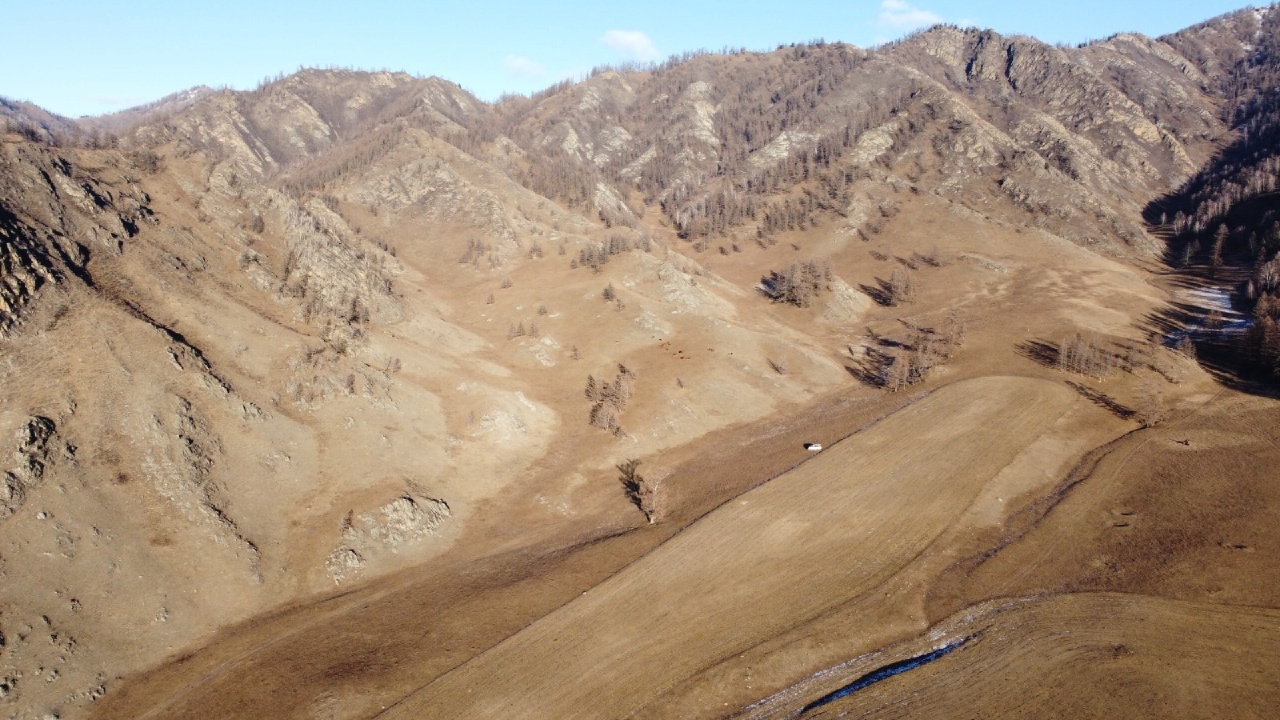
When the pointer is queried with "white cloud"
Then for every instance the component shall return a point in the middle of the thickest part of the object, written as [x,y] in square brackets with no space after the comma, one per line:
[631,44]
[900,15]
[522,67]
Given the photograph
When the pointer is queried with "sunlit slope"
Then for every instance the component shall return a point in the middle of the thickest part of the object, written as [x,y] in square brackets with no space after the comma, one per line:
[829,531]
[1091,655]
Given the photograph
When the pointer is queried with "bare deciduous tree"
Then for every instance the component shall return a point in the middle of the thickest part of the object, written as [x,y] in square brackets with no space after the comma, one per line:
[648,495]
[800,284]
[902,287]
[1150,409]
[934,257]
[610,399]
[953,332]
[896,373]
[1186,346]
[1086,354]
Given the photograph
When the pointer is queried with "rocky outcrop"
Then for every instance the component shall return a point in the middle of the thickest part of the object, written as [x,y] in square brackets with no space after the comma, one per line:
[181,451]
[53,215]
[25,267]
[35,441]
[398,525]
[333,275]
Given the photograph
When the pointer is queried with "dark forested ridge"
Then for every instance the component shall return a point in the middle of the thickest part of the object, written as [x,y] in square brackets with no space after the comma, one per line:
[1228,213]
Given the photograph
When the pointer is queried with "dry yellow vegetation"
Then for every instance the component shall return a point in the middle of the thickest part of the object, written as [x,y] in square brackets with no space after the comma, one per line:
[1084,655]
[294,420]
[836,528]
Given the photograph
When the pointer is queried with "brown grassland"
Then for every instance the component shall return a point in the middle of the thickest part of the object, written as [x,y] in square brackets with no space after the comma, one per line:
[353,396]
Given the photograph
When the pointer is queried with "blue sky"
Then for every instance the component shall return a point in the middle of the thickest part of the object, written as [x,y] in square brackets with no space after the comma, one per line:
[75,57]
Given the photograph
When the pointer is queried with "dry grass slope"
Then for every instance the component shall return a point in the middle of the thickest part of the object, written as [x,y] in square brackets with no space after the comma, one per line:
[299,467]
[1089,655]
[831,530]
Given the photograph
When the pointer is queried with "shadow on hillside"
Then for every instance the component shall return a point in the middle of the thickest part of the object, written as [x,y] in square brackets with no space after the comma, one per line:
[880,292]
[1173,321]
[1046,354]
[1039,351]
[870,368]
[1101,399]
[770,287]
[1195,257]
[1220,351]
[888,342]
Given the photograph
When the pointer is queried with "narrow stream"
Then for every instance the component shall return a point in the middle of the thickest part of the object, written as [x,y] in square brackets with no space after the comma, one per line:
[1211,299]
[882,673]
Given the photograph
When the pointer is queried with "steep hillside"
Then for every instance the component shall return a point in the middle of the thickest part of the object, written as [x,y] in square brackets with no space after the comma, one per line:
[360,340]
[1228,214]
[741,147]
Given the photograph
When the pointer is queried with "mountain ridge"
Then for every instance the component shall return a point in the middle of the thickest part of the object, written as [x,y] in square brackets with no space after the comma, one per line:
[284,343]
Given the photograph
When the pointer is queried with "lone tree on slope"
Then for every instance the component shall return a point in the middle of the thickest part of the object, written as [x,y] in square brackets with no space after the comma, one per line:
[648,495]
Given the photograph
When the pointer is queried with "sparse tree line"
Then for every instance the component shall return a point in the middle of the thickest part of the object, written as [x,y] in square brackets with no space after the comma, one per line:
[1216,201]
[520,330]
[552,173]
[609,399]
[1092,355]
[901,288]
[342,162]
[1087,354]
[1248,168]
[767,98]
[800,284]
[597,255]
[483,253]
[825,187]
[926,349]
[76,138]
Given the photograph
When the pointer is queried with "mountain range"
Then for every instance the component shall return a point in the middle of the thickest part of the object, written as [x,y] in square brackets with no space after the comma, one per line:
[266,350]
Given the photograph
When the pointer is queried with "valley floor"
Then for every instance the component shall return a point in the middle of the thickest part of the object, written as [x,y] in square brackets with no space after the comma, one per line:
[1136,578]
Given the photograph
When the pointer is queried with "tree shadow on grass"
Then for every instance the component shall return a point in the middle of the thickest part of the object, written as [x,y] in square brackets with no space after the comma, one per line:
[870,368]
[1102,400]
[880,292]
[1040,351]
[1220,352]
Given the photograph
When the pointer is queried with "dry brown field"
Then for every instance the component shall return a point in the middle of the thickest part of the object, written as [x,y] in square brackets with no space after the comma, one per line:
[781,576]
[314,405]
